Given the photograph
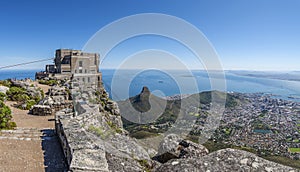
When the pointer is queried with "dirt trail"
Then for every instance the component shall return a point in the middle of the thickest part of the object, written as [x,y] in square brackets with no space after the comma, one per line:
[32,146]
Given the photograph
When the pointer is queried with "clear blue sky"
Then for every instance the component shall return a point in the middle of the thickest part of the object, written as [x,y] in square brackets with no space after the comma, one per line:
[247,34]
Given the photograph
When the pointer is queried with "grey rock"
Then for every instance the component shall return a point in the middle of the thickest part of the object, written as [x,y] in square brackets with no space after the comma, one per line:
[224,160]
[41,110]
[174,147]
[122,164]
[89,160]
[3,89]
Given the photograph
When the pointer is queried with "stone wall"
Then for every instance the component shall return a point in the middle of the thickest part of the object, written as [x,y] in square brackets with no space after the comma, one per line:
[80,152]
[62,136]
[56,100]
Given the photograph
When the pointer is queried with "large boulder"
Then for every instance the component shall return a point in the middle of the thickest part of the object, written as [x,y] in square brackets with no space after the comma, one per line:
[47,101]
[41,110]
[3,89]
[174,147]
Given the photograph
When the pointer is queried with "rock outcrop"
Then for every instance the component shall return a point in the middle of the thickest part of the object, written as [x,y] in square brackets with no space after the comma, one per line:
[224,160]
[56,100]
[41,110]
[3,89]
[30,88]
[174,147]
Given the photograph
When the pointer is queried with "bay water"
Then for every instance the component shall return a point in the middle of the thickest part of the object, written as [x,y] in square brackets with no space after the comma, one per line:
[172,82]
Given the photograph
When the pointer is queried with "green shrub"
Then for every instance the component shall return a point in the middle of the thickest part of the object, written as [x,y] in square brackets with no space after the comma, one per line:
[5,117]
[17,94]
[2,96]
[48,82]
[5,83]
[29,104]
[20,95]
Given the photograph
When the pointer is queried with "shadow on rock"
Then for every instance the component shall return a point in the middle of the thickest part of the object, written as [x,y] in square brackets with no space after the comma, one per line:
[54,160]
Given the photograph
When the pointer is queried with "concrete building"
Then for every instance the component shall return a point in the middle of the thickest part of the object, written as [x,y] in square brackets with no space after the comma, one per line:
[79,66]
[50,69]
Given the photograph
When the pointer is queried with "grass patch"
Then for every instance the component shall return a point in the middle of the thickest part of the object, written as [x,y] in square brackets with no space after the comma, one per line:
[97,130]
[144,163]
[214,146]
[294,150]
[48,82]
[114,127]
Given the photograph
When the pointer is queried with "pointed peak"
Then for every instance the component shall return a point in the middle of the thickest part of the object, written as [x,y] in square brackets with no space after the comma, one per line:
[145,90]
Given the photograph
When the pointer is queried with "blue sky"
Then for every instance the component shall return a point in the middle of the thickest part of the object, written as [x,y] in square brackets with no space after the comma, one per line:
[247,35]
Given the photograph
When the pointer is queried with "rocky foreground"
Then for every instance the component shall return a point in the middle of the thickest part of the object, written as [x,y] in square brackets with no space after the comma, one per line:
[93,139]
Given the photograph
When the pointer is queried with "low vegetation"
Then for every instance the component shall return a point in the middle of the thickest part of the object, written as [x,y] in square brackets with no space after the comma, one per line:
[5,117]
[114,127]
[283,160]
[294,150]
[2,97]
[99,131]
[5,83]
[48,82]
[24,99]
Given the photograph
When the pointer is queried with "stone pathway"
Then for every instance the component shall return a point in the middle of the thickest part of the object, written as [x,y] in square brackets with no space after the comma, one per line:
[33,146]
[21,134]
[30,149]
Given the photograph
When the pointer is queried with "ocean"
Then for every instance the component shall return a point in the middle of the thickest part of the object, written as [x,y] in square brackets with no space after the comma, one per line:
[177,82]
[17,74]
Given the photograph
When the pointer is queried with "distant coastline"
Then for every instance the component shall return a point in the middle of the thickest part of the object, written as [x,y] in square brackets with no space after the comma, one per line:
[286,76]
[237,81]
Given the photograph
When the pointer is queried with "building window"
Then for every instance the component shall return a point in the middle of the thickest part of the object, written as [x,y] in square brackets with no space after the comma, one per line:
[80,71]
[85,71]
[66,60]
[80,64]
[95,61]
[89,80]
[75,71]
[83,79]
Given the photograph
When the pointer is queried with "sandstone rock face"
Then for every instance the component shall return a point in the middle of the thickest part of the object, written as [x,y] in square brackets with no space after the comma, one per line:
[174,147]
[224,160]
